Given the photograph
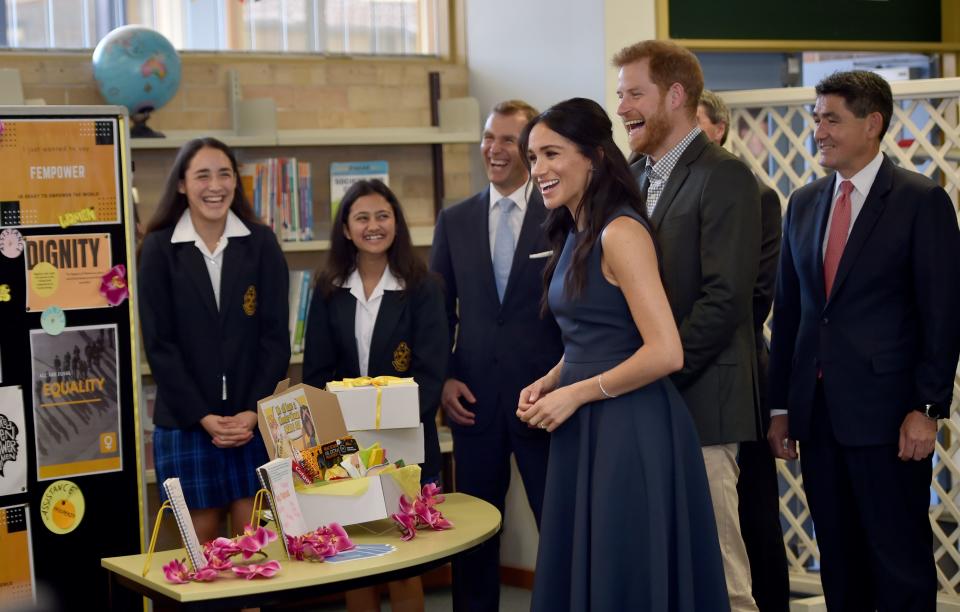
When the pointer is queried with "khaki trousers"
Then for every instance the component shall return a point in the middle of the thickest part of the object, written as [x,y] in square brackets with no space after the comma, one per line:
[722,473]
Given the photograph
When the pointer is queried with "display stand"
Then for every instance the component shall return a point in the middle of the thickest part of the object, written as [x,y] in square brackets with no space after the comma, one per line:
[67,224]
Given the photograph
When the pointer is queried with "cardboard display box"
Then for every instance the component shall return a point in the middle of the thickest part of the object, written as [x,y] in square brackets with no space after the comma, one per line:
[293,417]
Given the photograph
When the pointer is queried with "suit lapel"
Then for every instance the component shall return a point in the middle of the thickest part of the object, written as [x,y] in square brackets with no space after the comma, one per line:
[529,232]
[478,237]
[873,207]
[677,177]
[191,260]
[234,258]
[821,214]
[344,310]
[391,308]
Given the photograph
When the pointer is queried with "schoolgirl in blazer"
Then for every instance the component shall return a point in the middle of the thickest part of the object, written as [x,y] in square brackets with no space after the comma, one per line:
[213,291]
[407,337]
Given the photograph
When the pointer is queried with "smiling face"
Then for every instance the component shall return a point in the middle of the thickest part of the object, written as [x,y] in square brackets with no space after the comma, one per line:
[209,185]
[558,167]
[371,225]
[846,143]
[500,149]
[643,110]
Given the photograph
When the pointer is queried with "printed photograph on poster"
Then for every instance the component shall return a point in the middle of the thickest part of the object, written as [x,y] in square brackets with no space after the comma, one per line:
[66,270]
[13,442]
[17,584]
[59,172]
[76,399]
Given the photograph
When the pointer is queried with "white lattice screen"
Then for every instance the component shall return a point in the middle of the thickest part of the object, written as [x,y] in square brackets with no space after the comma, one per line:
[772,131]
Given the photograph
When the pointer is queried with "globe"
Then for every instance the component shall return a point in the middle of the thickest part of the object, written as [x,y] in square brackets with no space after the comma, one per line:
[138,68]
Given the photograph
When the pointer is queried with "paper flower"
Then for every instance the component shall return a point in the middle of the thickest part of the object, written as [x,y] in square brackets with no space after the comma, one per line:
[420,512]
[176,572]
[218,553]
[267,570]
[323,543]
[113,285]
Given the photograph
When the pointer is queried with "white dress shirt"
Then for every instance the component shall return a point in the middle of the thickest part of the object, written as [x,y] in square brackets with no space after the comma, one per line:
[184,231]
[862,182]
[367,309]
[519,198]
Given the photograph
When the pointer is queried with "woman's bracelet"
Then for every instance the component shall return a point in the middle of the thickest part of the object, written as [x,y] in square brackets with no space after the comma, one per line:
[602,390]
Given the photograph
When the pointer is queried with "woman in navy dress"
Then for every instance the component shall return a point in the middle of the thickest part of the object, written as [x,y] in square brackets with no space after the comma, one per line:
[213,309]
[378,311]
[627,519]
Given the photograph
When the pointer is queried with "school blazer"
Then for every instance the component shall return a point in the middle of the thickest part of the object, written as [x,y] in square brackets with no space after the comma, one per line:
[409,340]
[191,345]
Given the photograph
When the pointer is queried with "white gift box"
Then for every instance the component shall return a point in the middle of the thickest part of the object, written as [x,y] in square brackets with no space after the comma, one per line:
[405,444]
[399,405]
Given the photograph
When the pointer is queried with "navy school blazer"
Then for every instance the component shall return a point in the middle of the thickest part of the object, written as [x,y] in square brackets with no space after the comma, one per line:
[415,318]
[191,345]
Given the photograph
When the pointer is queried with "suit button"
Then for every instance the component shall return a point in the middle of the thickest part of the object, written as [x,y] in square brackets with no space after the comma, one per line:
[499,320]
[825,320]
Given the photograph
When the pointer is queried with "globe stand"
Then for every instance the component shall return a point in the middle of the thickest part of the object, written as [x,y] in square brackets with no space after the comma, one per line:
[140,129]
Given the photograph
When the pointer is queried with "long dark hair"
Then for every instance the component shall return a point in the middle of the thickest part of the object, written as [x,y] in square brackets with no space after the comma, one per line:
[342,260]
[173,203]
[611,185]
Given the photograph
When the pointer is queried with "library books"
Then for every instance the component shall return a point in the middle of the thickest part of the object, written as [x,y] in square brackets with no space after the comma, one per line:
[281,193]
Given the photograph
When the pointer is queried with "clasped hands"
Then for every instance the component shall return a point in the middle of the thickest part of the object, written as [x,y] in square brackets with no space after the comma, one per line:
[230,431]
[545,406]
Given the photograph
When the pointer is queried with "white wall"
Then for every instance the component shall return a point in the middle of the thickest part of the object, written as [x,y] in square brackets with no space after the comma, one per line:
[545,51]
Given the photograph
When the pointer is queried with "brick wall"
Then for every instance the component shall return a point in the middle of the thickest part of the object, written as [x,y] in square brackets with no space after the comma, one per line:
[310,93]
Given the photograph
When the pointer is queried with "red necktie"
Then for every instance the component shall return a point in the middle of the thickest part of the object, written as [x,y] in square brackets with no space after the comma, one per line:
[839,230]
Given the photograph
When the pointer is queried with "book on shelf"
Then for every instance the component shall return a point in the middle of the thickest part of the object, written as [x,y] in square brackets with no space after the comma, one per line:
[300,295]
[281,193]
[345,174]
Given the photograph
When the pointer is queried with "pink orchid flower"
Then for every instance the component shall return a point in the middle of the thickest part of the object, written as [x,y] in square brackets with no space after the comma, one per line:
[295,546]
[207,574]
[267,570]
[113,285]
[431,494]
[221,549]
[251,544]
[338,536]
[216,563]
[176,572]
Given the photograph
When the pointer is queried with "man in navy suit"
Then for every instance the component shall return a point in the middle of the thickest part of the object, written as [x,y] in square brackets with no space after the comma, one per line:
[864,351]
[490,251]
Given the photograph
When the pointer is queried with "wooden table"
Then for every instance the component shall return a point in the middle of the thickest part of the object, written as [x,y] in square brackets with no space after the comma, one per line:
[474,522]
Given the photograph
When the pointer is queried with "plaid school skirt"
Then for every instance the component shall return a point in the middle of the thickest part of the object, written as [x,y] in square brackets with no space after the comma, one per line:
[211,477]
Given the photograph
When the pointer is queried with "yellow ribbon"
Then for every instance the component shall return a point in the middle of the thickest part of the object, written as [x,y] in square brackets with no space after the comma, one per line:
[367,381]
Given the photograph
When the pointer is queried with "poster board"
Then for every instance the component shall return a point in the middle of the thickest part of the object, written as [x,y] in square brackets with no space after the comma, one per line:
[69,369]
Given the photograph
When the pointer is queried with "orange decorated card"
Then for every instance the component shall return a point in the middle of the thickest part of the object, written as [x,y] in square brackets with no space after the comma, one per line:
[59,172]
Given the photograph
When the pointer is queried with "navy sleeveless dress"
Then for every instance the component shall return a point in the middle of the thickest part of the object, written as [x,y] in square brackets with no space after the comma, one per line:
[627,520]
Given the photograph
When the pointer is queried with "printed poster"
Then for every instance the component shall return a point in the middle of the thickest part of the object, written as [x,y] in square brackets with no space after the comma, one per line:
[66,270]
[76,401]
[13,442]
[345,174]
[17,585]
[59,172]
[290,424]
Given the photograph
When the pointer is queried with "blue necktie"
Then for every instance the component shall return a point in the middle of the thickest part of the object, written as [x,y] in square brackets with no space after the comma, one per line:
[503,246]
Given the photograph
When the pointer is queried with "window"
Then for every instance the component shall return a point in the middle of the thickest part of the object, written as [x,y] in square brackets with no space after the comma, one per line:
[354,27]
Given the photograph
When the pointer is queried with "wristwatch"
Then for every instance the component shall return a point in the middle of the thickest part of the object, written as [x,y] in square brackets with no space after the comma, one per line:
[932,411]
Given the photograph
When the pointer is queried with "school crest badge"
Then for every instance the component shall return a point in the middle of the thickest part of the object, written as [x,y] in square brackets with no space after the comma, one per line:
[401,357]
[250,301]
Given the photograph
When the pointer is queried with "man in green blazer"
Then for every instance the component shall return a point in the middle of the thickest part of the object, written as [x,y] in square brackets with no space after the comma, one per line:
[704,206]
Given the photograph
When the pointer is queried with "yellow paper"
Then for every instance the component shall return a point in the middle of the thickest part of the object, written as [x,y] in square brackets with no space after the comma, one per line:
[352,487]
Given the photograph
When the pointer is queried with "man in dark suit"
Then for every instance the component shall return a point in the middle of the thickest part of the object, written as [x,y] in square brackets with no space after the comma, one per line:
[704,206]
[757,487]
[490,251]
[864,351]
